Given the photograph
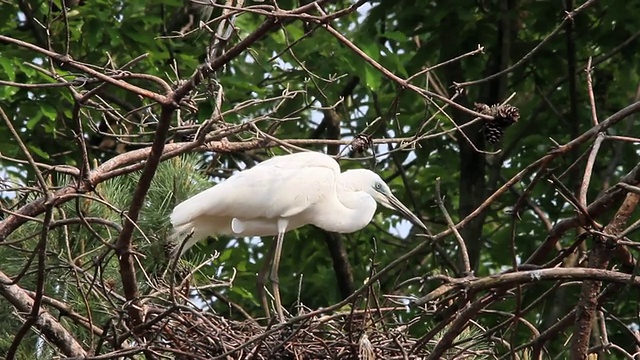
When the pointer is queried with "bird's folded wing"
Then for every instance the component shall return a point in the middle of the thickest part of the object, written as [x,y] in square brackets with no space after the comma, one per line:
[261,192]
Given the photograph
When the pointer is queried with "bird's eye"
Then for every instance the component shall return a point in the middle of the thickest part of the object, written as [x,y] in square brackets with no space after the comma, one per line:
[378,186]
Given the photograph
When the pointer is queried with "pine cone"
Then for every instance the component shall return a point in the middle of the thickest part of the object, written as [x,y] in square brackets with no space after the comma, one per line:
[361,143]
[507,115]
[492,132]
[503,117]
[482,108]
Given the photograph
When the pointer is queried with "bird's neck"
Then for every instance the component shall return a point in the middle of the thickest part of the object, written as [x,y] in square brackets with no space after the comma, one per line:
[351,211]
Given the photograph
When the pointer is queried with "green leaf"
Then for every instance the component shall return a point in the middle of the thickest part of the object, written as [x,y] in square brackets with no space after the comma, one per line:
[36,150]
[48,111]
[8,67]
[8,91]
[244,293]
[371,49]
[31,123]
[295,32]
[278,36]
[397,36]
[372,77]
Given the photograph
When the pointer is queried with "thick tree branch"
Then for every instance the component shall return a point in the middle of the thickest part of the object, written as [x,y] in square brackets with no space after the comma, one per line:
[601,254]
[123,244]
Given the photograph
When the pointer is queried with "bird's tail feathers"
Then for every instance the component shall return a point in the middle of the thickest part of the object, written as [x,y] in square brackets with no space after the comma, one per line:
[195,230]
[184,214]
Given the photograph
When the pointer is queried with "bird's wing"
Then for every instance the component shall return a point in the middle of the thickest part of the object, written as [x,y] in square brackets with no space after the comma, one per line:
[279,187]
[300,160]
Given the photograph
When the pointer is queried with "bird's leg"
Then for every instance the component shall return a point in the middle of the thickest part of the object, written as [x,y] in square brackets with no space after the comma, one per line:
[275,281]
[263,274]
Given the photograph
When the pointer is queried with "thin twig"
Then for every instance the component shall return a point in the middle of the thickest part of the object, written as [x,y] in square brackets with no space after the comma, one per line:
[464,253]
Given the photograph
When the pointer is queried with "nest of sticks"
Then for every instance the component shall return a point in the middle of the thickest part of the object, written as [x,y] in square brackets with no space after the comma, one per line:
[185,332]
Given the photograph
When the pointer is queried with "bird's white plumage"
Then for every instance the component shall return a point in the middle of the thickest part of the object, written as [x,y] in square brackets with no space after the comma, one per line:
[294,190]
[282,187]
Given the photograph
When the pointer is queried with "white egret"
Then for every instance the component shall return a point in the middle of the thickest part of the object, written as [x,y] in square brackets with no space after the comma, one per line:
[282,194]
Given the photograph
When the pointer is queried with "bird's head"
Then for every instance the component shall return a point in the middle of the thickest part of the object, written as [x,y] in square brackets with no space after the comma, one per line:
[372,184]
